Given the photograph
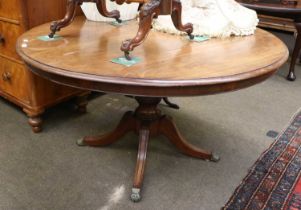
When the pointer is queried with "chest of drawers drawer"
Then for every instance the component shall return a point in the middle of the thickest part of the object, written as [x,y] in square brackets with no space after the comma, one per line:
[13,78]
[9,33]
[10,9]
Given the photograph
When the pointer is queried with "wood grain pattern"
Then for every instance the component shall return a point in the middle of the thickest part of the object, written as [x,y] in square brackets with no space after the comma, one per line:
[10,32]
[144,135]
[168,61]
[15,75]
[10,9]
[48,11]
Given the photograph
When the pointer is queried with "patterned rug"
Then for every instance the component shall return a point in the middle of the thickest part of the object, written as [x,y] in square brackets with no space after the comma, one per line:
[274,182]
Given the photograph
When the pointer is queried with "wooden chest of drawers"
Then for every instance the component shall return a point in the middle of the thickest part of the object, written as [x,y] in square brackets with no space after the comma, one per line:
[17,84]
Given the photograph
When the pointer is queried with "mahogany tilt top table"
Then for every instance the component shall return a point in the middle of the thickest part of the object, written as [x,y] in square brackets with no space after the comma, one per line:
[171,66]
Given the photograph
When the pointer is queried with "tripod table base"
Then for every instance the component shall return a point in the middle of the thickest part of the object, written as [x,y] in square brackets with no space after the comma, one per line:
[147,121]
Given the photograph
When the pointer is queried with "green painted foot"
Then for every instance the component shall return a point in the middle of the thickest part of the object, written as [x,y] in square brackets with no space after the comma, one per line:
[81,142]
[135,196]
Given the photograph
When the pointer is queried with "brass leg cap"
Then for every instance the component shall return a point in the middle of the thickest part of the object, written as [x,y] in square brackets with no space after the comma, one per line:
[214,158]
[135,196]
[81,142]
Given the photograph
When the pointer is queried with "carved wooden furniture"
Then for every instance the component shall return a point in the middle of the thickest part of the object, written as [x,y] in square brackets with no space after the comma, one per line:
[150,9]
[291,11]
[172,66]
[17,84]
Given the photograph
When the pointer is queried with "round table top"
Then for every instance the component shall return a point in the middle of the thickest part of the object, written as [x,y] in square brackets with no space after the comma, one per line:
[171,65]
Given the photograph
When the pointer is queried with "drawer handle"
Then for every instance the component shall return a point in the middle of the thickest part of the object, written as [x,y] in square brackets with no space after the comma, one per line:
[6,76]
[2,40]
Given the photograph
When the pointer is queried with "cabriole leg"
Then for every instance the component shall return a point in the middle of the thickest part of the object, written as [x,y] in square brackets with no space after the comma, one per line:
[176,17]
[169,129]
[146,15]
[126,125]
[67,20]
[102,9]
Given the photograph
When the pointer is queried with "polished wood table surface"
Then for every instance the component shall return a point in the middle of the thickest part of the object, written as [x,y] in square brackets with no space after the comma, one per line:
[283,11]
[170,66]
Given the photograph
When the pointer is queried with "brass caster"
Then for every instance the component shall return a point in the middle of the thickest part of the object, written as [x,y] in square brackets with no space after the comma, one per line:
[135,196]
[214,158]
[81,142]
